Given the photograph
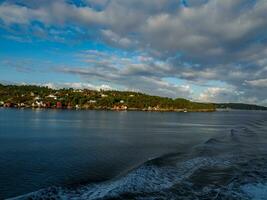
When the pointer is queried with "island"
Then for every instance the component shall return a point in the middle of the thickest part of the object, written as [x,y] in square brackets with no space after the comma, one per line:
[33,96]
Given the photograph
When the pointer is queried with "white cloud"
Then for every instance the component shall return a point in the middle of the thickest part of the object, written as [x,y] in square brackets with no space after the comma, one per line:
[262,83]
[219,94]
[77,85]
[139,73]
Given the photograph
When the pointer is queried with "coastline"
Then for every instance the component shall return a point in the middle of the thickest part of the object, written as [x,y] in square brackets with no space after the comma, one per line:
[37,97]
[116,110]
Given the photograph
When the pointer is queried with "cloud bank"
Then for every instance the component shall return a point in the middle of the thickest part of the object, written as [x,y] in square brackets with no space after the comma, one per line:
[195,42]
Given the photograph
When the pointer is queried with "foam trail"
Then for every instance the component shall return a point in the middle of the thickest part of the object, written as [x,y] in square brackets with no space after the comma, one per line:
[230,168]
[148,178]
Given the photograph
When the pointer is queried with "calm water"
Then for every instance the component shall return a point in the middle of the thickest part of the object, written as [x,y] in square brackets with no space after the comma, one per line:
[133,155]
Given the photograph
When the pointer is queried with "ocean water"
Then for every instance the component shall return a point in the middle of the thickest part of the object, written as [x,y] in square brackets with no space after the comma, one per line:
[52,154]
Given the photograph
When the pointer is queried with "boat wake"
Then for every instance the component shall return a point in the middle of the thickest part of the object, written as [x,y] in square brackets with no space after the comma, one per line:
[220,168]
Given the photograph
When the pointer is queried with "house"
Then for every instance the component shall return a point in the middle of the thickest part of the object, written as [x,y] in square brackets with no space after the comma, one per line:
[121,101]
[39,104]
[52,96]
[104,95]
[124,107]
[2,103]
[37,98]
[69,106]
[131,95]
[8,105]
[92,101]
[118,108]
[21,105]
[59,105]
[48,105]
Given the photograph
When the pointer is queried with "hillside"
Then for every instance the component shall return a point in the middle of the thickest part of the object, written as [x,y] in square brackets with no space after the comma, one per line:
[44,97]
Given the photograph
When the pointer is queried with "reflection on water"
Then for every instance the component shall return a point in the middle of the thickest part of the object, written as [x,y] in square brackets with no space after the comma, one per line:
[132,154]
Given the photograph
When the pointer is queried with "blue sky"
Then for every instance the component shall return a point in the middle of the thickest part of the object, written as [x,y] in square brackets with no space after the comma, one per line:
[204,50]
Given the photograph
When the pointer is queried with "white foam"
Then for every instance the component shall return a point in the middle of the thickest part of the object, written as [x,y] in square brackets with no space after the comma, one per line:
[145,179]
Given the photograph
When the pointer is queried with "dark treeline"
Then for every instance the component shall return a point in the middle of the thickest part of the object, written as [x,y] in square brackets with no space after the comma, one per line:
[239,106]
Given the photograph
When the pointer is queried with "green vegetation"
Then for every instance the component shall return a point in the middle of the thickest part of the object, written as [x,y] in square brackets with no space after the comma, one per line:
[44,97]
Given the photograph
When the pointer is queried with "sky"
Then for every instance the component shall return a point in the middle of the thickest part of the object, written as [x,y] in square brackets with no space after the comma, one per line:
[202,50]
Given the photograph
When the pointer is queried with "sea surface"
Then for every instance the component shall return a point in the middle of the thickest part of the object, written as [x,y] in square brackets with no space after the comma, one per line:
[60,154]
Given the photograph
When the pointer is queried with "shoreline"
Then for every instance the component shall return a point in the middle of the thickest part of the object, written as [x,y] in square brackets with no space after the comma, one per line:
[117,110]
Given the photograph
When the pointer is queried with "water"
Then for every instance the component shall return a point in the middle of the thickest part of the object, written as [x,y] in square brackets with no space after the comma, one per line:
[47,154]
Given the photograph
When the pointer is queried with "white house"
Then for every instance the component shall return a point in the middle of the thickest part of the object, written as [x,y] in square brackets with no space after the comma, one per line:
[52,96]
[37,98]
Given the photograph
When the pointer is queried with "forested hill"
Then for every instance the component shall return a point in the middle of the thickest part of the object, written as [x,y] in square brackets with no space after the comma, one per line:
[239,106]
[44,97]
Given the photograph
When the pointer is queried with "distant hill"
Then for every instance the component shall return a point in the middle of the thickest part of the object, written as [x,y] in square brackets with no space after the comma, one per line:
[239,106]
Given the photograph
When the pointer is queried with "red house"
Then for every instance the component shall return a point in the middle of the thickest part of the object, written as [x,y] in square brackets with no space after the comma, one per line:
[59,105]
[48,105]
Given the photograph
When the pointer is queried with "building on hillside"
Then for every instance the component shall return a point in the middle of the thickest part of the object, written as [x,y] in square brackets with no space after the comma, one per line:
[69,106]
[39,104]
[48,105]
[37,98]
[52,96]
[21,105]
[8,105]
[59,105]
[124,107]
[78,90]
[120,107]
